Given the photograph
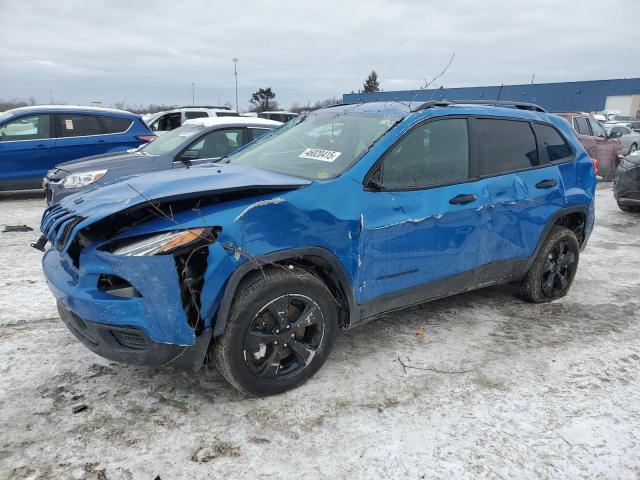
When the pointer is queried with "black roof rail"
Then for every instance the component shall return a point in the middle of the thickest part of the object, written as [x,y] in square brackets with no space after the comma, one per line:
[205,106]
[494,103]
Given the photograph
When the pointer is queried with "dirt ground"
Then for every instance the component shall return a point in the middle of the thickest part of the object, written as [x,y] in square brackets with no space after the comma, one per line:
[494,388]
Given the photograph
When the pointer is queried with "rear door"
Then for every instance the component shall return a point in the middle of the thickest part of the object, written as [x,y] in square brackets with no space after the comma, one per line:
[606,148]
[27,146]
[79,135]
[522,187]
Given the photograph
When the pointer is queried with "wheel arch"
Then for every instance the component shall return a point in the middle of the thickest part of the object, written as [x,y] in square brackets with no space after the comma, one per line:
[574,218]
[319,261]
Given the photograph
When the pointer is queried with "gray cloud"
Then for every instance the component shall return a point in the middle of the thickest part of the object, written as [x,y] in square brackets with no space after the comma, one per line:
[305,50]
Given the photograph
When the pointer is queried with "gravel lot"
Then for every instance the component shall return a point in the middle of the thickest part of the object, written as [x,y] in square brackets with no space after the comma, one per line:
[495,388]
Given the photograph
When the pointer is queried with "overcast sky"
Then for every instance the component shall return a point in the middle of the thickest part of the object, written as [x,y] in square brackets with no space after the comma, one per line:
[150,52]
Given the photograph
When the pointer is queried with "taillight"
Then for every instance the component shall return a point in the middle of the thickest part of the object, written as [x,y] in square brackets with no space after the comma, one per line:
[595,165]
[146,138]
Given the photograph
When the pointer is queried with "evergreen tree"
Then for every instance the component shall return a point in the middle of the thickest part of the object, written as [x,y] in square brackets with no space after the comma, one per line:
[371,84]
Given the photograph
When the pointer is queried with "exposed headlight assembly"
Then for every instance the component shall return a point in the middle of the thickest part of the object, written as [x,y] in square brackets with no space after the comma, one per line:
[165,242]
[82,179]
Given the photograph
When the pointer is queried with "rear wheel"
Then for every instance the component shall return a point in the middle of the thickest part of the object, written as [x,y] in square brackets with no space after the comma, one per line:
[280,330]
[554,269]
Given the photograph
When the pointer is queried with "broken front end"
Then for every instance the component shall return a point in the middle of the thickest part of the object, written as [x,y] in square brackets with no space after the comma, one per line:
[134,299]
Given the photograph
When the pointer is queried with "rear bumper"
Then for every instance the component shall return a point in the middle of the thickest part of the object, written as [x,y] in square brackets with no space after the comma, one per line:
[132,345]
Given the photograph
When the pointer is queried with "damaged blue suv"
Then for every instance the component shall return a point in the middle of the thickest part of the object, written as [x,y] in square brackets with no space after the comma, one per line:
[254,263]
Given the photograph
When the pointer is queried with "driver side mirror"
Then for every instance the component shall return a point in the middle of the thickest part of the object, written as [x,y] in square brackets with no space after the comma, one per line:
[188,155]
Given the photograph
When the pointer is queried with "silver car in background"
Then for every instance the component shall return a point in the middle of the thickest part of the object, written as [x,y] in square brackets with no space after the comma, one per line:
[629,138]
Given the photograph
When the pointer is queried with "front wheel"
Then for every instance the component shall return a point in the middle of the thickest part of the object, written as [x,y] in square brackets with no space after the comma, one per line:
[281,328]
[554,269]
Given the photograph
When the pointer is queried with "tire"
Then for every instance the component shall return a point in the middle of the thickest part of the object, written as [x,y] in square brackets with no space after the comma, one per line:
[260,331]
[553,270]
[628,208]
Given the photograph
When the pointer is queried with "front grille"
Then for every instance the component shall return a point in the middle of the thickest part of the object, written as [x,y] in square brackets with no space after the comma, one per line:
[57,225]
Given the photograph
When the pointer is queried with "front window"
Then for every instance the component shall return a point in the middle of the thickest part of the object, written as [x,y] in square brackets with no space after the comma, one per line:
[168,142]
[316,147]
[26,128]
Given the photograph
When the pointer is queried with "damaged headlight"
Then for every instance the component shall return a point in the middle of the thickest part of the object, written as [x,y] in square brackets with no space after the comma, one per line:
[76,180]
[165,242]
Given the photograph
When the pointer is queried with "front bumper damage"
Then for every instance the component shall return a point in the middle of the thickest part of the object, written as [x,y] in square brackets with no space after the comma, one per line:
[148,328]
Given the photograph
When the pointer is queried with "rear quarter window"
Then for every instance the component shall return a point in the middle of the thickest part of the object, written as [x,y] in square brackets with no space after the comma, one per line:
[504,146]
[115,124]
[581,125]
[552,143]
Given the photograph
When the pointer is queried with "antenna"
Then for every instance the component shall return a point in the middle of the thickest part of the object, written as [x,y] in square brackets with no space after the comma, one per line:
[500,91]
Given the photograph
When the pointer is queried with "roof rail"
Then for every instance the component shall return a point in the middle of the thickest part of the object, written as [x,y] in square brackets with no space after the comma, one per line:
[205,106]
[495,103]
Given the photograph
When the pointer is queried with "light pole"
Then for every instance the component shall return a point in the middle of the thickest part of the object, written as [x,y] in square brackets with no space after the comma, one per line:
[193,93]
[235,72]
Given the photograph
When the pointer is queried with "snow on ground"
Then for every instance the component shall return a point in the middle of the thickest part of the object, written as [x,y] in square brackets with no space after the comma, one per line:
[500,388]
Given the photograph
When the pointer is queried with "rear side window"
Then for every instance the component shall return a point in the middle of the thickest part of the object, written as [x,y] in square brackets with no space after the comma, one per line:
[504,146]
[552,143]
[26,128]
[434,153]
[190,115]
[115,124]
[227,114]
[581,125]
[74,125]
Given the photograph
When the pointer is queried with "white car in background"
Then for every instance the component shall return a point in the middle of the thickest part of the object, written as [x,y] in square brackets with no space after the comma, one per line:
[629,138]
[162,122]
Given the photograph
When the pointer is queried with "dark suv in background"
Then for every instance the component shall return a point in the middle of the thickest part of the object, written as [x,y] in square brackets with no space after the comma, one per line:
[34,139]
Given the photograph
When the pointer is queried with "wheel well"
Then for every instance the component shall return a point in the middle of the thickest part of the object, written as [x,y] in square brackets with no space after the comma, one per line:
[322,269]
[315,261]
[575,222]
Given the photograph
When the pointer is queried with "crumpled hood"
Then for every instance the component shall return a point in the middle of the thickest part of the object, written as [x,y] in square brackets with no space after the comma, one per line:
[170,184]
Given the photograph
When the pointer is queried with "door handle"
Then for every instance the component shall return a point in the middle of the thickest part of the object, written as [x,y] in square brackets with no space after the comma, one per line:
[462,199]
[100,141]
[42,145]
[546,184]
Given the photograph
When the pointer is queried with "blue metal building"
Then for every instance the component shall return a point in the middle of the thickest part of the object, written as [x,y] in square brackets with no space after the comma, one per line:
[621,95]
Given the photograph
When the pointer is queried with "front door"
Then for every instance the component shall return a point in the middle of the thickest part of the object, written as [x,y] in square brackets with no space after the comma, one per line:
[213,145]
[422,221]
[27,148]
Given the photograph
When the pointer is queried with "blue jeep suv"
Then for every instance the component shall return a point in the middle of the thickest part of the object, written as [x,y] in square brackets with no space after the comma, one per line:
[34,139]
[254,262]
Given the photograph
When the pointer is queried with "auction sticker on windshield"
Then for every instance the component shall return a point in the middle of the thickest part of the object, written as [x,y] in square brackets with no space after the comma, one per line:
[320,154]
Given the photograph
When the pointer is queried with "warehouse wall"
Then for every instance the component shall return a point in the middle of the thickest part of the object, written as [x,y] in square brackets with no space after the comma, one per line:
[588,96]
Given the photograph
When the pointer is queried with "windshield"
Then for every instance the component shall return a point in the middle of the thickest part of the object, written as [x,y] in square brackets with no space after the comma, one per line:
[168,142]
[316,147]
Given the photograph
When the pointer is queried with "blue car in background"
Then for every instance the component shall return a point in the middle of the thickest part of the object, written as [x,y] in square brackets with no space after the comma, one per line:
[34,139]
[254,262]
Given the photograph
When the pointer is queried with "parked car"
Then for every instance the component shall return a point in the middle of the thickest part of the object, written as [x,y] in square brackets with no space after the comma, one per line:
[632,123]
[599,145]
[629,138]
[200,140]
[172,119]
[278,116]
[34,139]
[333,219]
[626,187]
